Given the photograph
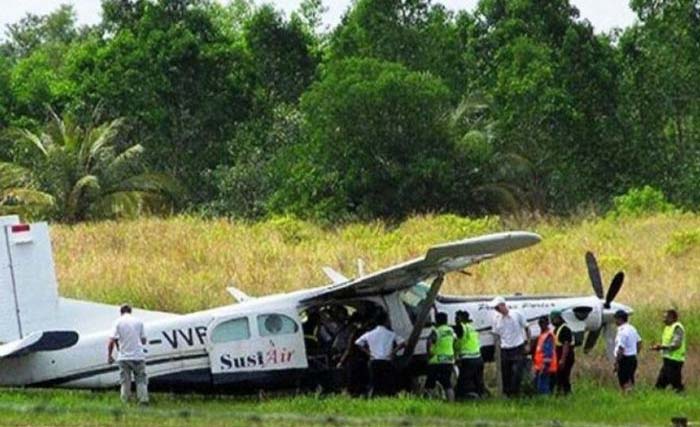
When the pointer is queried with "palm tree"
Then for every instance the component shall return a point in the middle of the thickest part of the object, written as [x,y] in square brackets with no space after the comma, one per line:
[18,193]
[90,178]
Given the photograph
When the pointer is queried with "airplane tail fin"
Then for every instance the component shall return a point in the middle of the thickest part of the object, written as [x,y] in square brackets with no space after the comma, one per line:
[28,287]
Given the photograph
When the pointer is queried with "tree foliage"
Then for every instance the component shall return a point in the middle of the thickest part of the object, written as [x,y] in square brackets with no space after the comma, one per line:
[404,107]
[88,178]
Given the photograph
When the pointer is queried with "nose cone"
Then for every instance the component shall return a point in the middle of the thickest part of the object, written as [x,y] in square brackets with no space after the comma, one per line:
[609,313]
[617,306]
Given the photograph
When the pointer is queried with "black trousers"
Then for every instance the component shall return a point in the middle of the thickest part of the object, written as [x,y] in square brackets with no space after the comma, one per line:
[471,378]
[626,368]
[381,378]
[512,369]
[439,373]
[563,376]
[670,374]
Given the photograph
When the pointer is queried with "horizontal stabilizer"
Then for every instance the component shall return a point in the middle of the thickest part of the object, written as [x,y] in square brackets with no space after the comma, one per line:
[39,341]
[335,276]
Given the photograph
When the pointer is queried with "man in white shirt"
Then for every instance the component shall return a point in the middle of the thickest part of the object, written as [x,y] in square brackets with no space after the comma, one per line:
[381,345]
[129,337]
[511,327]
[628,343]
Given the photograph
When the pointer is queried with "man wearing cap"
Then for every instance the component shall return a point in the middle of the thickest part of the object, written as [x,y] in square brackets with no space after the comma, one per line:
[512,329]
[129,336]
[564,346]
[471,365]
[672,350]
[628,343]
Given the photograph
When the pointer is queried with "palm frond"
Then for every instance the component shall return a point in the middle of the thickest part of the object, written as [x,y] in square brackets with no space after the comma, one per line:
[13,175]
[76,199]
[25,197]
[32,139]
[96,140]
[125,162]
[154,183]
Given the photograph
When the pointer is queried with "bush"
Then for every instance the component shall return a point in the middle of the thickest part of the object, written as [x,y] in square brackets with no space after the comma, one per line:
[638,202]
[682,242]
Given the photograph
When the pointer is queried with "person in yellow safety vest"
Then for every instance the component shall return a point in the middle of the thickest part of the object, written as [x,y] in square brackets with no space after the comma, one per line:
[566,355]
[468,352]
[545,358]
[672,348]
[441,345]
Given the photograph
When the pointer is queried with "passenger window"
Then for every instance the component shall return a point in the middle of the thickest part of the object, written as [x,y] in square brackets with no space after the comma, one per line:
[231,330]
[276,324]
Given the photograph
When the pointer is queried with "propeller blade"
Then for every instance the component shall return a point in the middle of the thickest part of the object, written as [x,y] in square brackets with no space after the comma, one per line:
[591,340]
[614,288]
[594,274]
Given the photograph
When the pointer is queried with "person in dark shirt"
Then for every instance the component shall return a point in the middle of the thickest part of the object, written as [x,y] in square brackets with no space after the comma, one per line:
[564,346]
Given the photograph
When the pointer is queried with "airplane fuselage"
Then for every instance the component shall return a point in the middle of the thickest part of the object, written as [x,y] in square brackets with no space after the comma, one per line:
[181,355]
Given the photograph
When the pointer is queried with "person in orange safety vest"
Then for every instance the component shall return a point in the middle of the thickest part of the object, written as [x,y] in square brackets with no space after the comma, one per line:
[544,359]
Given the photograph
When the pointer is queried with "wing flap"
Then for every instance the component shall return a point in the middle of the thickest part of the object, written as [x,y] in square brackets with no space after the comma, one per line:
[39,341]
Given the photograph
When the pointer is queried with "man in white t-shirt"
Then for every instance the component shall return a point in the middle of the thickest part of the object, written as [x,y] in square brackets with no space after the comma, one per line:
[511,327]
[381,345]
[628,343]
[129,337]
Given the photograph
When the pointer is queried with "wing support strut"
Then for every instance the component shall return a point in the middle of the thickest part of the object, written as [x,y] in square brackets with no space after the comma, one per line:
[422,318]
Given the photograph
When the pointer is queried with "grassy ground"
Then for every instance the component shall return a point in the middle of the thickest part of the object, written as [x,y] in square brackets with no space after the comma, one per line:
[590,406]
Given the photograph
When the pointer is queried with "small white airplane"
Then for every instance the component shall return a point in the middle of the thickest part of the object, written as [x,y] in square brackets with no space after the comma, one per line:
[257,343]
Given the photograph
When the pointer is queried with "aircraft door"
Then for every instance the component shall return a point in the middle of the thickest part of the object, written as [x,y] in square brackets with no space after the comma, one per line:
[261,342]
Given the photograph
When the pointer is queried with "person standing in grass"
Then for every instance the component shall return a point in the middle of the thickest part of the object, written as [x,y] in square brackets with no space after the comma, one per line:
[545,358]
[129,337]
[513,331]
[381,345]
[441,362]
[672,348]
[468,352]
[564,342]
[628,344]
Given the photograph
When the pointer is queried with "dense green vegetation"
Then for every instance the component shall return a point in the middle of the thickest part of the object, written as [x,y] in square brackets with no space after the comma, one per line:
[405,107]
[594,406]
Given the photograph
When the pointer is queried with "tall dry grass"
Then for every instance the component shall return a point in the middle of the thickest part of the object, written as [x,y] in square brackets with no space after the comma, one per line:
[184,264]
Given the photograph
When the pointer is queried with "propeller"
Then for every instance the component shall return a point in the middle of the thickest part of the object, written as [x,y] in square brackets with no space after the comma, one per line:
[613,290]
[594,274]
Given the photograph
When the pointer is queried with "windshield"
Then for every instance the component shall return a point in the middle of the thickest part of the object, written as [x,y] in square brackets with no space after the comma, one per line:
[413,298]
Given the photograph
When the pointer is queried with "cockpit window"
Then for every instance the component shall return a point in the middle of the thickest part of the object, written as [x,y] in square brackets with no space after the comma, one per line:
[276,324]
[413,298]
[231,330]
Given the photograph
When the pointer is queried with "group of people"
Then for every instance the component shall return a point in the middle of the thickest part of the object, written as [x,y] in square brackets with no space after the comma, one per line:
[455,350]
[553,356]
[451,349]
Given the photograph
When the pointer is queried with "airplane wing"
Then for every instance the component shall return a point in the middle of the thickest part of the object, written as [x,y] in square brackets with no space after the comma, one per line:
[440,259]
[39,341]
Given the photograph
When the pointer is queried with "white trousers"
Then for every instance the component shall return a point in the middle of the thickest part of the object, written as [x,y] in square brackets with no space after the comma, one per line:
[137,370]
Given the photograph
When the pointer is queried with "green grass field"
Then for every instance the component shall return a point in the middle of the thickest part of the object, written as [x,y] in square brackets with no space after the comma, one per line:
[184,264]
[589,406]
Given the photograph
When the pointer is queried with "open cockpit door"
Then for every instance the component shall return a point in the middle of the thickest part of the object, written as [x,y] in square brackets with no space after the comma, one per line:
[245,344]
